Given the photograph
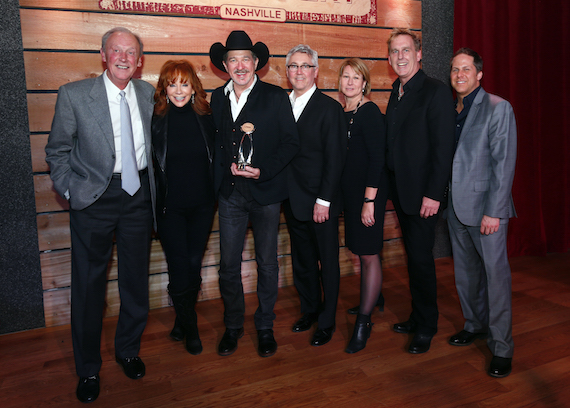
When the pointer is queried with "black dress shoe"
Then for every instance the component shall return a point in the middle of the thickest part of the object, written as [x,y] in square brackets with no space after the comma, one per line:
[133,366]
[305,322]
[229,342]
[322,336]
[420,343]
[380,303]
[88,388]
[405,327]
[465,338]
[267,346]
[500,367]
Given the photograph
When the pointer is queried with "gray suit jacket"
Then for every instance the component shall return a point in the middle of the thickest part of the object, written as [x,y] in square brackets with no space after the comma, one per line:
[81,148]
[484,162]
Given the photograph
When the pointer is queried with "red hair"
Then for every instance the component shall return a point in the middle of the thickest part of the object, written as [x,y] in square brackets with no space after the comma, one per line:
[170,72]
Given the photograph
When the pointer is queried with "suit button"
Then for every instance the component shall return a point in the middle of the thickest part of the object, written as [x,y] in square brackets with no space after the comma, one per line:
[113,156]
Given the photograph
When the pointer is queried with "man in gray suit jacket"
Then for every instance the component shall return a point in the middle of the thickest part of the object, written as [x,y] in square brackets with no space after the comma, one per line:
[480,205]
[110,188]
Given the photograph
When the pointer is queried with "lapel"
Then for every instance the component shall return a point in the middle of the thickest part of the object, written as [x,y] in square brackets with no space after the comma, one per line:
[250,101]
[473,112]
[99,107]
[311,104]
[145,108]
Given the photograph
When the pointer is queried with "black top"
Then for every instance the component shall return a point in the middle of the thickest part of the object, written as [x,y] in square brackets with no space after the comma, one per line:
[275,141]
[187,163]
[364,168]
[420,131]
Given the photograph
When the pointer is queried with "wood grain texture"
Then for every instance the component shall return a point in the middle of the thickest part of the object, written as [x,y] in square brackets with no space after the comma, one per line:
[56,271]
[54,29]
[38,368]
[49,70]
[390,13]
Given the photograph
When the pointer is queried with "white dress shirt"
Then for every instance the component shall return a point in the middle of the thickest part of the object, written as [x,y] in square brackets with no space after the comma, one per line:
[238,104]
[114,100]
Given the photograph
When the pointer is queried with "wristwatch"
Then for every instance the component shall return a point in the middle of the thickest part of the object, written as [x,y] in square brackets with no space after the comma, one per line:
[368,200]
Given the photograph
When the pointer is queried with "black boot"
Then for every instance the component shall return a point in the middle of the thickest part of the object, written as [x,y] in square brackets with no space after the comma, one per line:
[177,333]
[360,335]
[184,305]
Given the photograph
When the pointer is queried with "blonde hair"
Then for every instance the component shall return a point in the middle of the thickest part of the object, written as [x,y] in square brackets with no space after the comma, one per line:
[360,67]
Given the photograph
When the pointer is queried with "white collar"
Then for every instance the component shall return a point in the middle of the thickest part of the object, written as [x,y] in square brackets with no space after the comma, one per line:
[113,90]
[230,86]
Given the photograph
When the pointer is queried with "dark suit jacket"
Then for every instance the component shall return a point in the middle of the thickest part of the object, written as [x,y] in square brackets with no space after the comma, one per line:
[81,147]
[316,170]
[420,132]
[275,139]
[159,143]
[484,162]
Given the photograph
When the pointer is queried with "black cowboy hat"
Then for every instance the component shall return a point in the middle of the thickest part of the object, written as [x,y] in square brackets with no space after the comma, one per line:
[238,40]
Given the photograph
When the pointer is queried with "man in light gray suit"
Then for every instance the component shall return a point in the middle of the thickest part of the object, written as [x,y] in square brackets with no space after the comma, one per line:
[480,205]
[99,152]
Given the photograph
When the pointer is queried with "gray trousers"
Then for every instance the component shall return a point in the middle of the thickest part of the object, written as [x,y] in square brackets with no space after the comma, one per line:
[483,281]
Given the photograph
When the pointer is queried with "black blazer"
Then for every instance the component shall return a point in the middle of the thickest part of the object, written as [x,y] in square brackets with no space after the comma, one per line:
[275,140]
[315,171]
[159,131]
[422,129]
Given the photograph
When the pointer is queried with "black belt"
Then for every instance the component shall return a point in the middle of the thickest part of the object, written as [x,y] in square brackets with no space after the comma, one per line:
[141,173]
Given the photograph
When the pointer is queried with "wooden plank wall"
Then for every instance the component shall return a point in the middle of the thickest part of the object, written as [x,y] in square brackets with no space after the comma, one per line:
[61,44]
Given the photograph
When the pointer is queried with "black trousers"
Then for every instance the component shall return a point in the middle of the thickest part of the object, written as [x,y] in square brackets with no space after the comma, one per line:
[129,219]
[314,245]
[419,236]
[184,235]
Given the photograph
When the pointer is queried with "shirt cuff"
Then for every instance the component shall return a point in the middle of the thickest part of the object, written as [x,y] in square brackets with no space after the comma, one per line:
[324,203]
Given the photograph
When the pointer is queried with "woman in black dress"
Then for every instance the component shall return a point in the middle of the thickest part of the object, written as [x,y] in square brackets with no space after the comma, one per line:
[182,140]
[364,190]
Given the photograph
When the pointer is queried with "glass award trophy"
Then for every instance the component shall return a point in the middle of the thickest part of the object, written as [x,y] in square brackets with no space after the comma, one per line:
[245,152]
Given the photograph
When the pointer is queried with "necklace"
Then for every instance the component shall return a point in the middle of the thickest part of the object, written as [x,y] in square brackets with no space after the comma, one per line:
[354,113]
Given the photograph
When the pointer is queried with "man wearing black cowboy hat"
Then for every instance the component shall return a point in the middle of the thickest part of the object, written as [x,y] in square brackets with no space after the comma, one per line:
[242,108]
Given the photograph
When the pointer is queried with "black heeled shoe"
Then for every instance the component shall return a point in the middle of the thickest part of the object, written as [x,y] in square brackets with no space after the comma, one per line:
[360,335]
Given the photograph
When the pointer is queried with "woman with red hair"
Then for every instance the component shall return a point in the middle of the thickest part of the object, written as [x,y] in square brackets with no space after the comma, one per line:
[182,140]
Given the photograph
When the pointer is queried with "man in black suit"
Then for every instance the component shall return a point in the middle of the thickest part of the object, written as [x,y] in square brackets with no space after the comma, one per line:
[420,141]
[314,195]
[246,105]
[109,184]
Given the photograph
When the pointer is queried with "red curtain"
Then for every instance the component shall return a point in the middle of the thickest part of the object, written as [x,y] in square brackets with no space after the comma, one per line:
[525,49]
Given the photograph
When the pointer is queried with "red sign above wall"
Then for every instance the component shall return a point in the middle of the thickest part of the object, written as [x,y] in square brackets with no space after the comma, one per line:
[322,11]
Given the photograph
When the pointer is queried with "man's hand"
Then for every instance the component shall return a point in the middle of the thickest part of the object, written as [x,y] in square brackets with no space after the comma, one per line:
[248,172]
[320,213]
[489,225]
[429,207]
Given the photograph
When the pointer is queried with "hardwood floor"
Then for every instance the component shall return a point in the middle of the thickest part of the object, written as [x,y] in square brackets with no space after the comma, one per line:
[37,369]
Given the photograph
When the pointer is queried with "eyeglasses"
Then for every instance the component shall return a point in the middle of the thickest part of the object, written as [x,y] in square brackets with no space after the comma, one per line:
[304,67]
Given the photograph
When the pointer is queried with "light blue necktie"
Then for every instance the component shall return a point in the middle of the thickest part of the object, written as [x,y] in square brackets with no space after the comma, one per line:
[130,181]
